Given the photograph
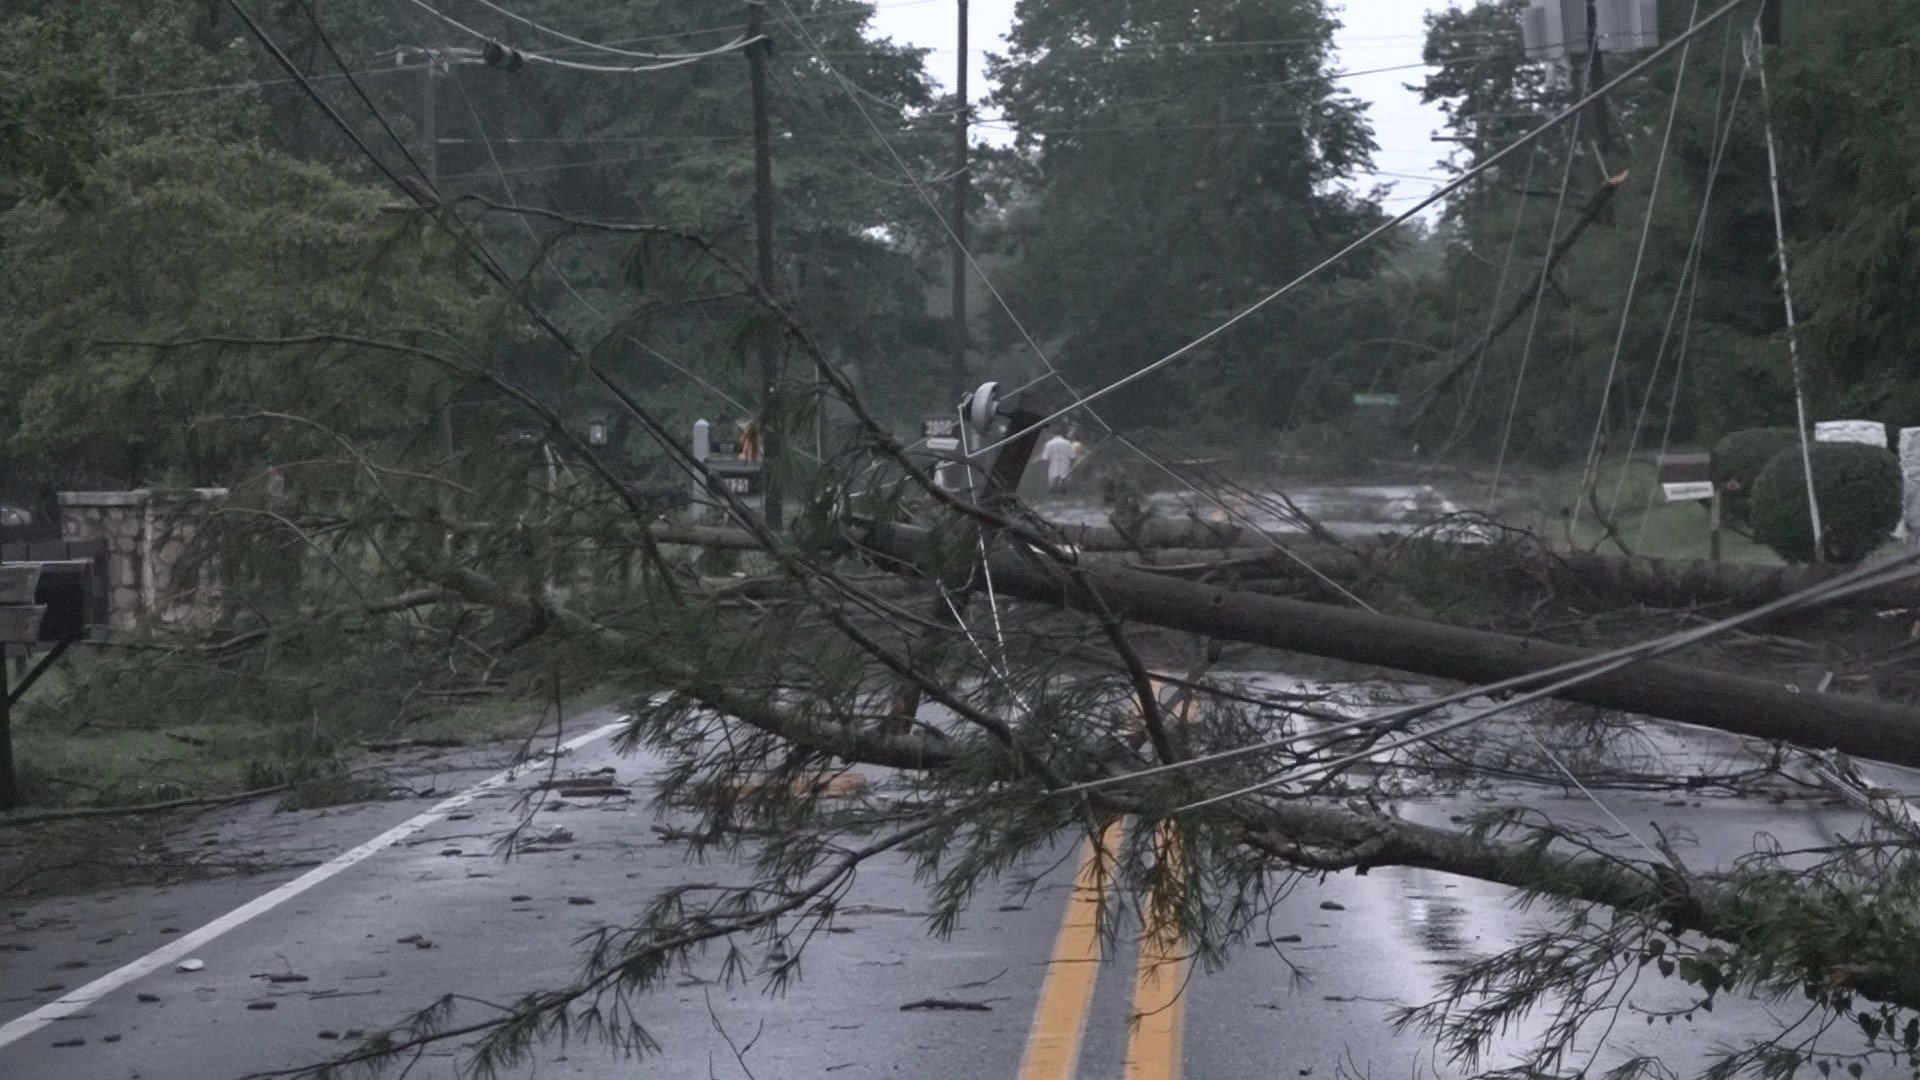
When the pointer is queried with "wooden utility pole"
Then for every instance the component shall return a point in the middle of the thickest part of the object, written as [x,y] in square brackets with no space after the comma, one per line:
[429,133]
[430,167]
[962,186]
[768,346]
[1602,120]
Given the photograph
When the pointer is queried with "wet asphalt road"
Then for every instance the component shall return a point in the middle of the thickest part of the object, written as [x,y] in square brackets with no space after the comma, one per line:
[1317,1007]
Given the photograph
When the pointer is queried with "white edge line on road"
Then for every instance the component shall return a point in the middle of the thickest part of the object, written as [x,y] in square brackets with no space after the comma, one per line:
[177,950]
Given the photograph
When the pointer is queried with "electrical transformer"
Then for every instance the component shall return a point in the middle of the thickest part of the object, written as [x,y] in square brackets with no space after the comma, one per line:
[1556,29]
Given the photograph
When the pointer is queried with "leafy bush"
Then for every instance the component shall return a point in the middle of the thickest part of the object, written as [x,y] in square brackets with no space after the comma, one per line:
[1738,459]
[1859,491]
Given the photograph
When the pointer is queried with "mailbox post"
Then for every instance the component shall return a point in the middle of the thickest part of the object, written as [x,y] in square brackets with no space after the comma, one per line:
[1689,478]
[41,604]
[19,625]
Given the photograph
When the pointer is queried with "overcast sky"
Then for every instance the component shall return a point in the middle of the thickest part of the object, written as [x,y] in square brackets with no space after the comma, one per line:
[1377,34]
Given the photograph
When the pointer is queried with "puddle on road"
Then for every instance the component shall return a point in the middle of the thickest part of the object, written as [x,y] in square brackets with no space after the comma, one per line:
[1428,916]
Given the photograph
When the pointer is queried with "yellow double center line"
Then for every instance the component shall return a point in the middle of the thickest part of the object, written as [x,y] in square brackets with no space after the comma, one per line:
[1153,1049]
[1059,1023]
[1153,1044]
[1053,1046]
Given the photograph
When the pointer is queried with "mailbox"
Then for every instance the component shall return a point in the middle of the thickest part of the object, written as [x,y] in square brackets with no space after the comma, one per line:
[941,434]
[43,602]
[740,479]
[1686,477]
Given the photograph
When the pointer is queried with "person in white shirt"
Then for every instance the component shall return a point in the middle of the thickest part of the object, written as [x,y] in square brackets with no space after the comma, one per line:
[1058,454]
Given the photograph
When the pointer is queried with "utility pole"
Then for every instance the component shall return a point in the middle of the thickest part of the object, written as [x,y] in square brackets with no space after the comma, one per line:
[1602,126]
[429,133]
[962,185]
[763,257]
[430,165]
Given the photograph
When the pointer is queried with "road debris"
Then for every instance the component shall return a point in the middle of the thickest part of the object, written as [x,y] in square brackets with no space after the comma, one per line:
[946,1005]
[189,966]
[599,783]
[870,909]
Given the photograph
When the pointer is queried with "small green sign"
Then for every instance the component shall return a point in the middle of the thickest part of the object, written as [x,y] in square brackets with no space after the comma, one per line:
[1375,401]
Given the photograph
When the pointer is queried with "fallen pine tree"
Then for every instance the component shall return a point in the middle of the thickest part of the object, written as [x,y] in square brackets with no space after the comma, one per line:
[1737,704]
[1196,548]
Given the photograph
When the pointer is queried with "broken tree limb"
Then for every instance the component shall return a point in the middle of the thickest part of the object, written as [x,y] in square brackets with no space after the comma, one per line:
[1675,583]
[1718,907]
[1194,548]
[9,821]
[1596,206]
[713,536]
[1158,533]
[1167,533]
[901,751]
[1732,703]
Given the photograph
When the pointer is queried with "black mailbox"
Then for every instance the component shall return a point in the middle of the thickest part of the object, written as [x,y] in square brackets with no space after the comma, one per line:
[66,591]
[741,479]
[71,584]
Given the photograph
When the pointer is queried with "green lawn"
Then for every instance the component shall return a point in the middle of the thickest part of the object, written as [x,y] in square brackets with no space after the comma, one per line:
[1650,526]
[143,740]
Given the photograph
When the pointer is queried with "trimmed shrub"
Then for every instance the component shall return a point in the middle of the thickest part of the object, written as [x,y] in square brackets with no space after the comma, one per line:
[1737,461]
[1859,491]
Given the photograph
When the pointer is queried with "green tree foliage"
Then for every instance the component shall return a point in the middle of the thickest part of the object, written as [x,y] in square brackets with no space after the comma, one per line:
[1485,87]
[1180,165]
[192,134]
[1858,487]
[1843,102]
[75,79]
[181,238]
[1739,459]
[855,248]
[1847,102]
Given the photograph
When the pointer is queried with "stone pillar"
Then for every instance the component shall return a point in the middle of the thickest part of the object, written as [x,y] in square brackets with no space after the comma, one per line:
[702,449]
[119,518]
[1910,469]
[148,535]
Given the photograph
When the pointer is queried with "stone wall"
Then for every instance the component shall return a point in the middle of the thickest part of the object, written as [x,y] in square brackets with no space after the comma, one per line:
[148,536]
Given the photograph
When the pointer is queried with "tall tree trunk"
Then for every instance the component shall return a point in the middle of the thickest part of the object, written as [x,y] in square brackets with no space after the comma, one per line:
[1731,703]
